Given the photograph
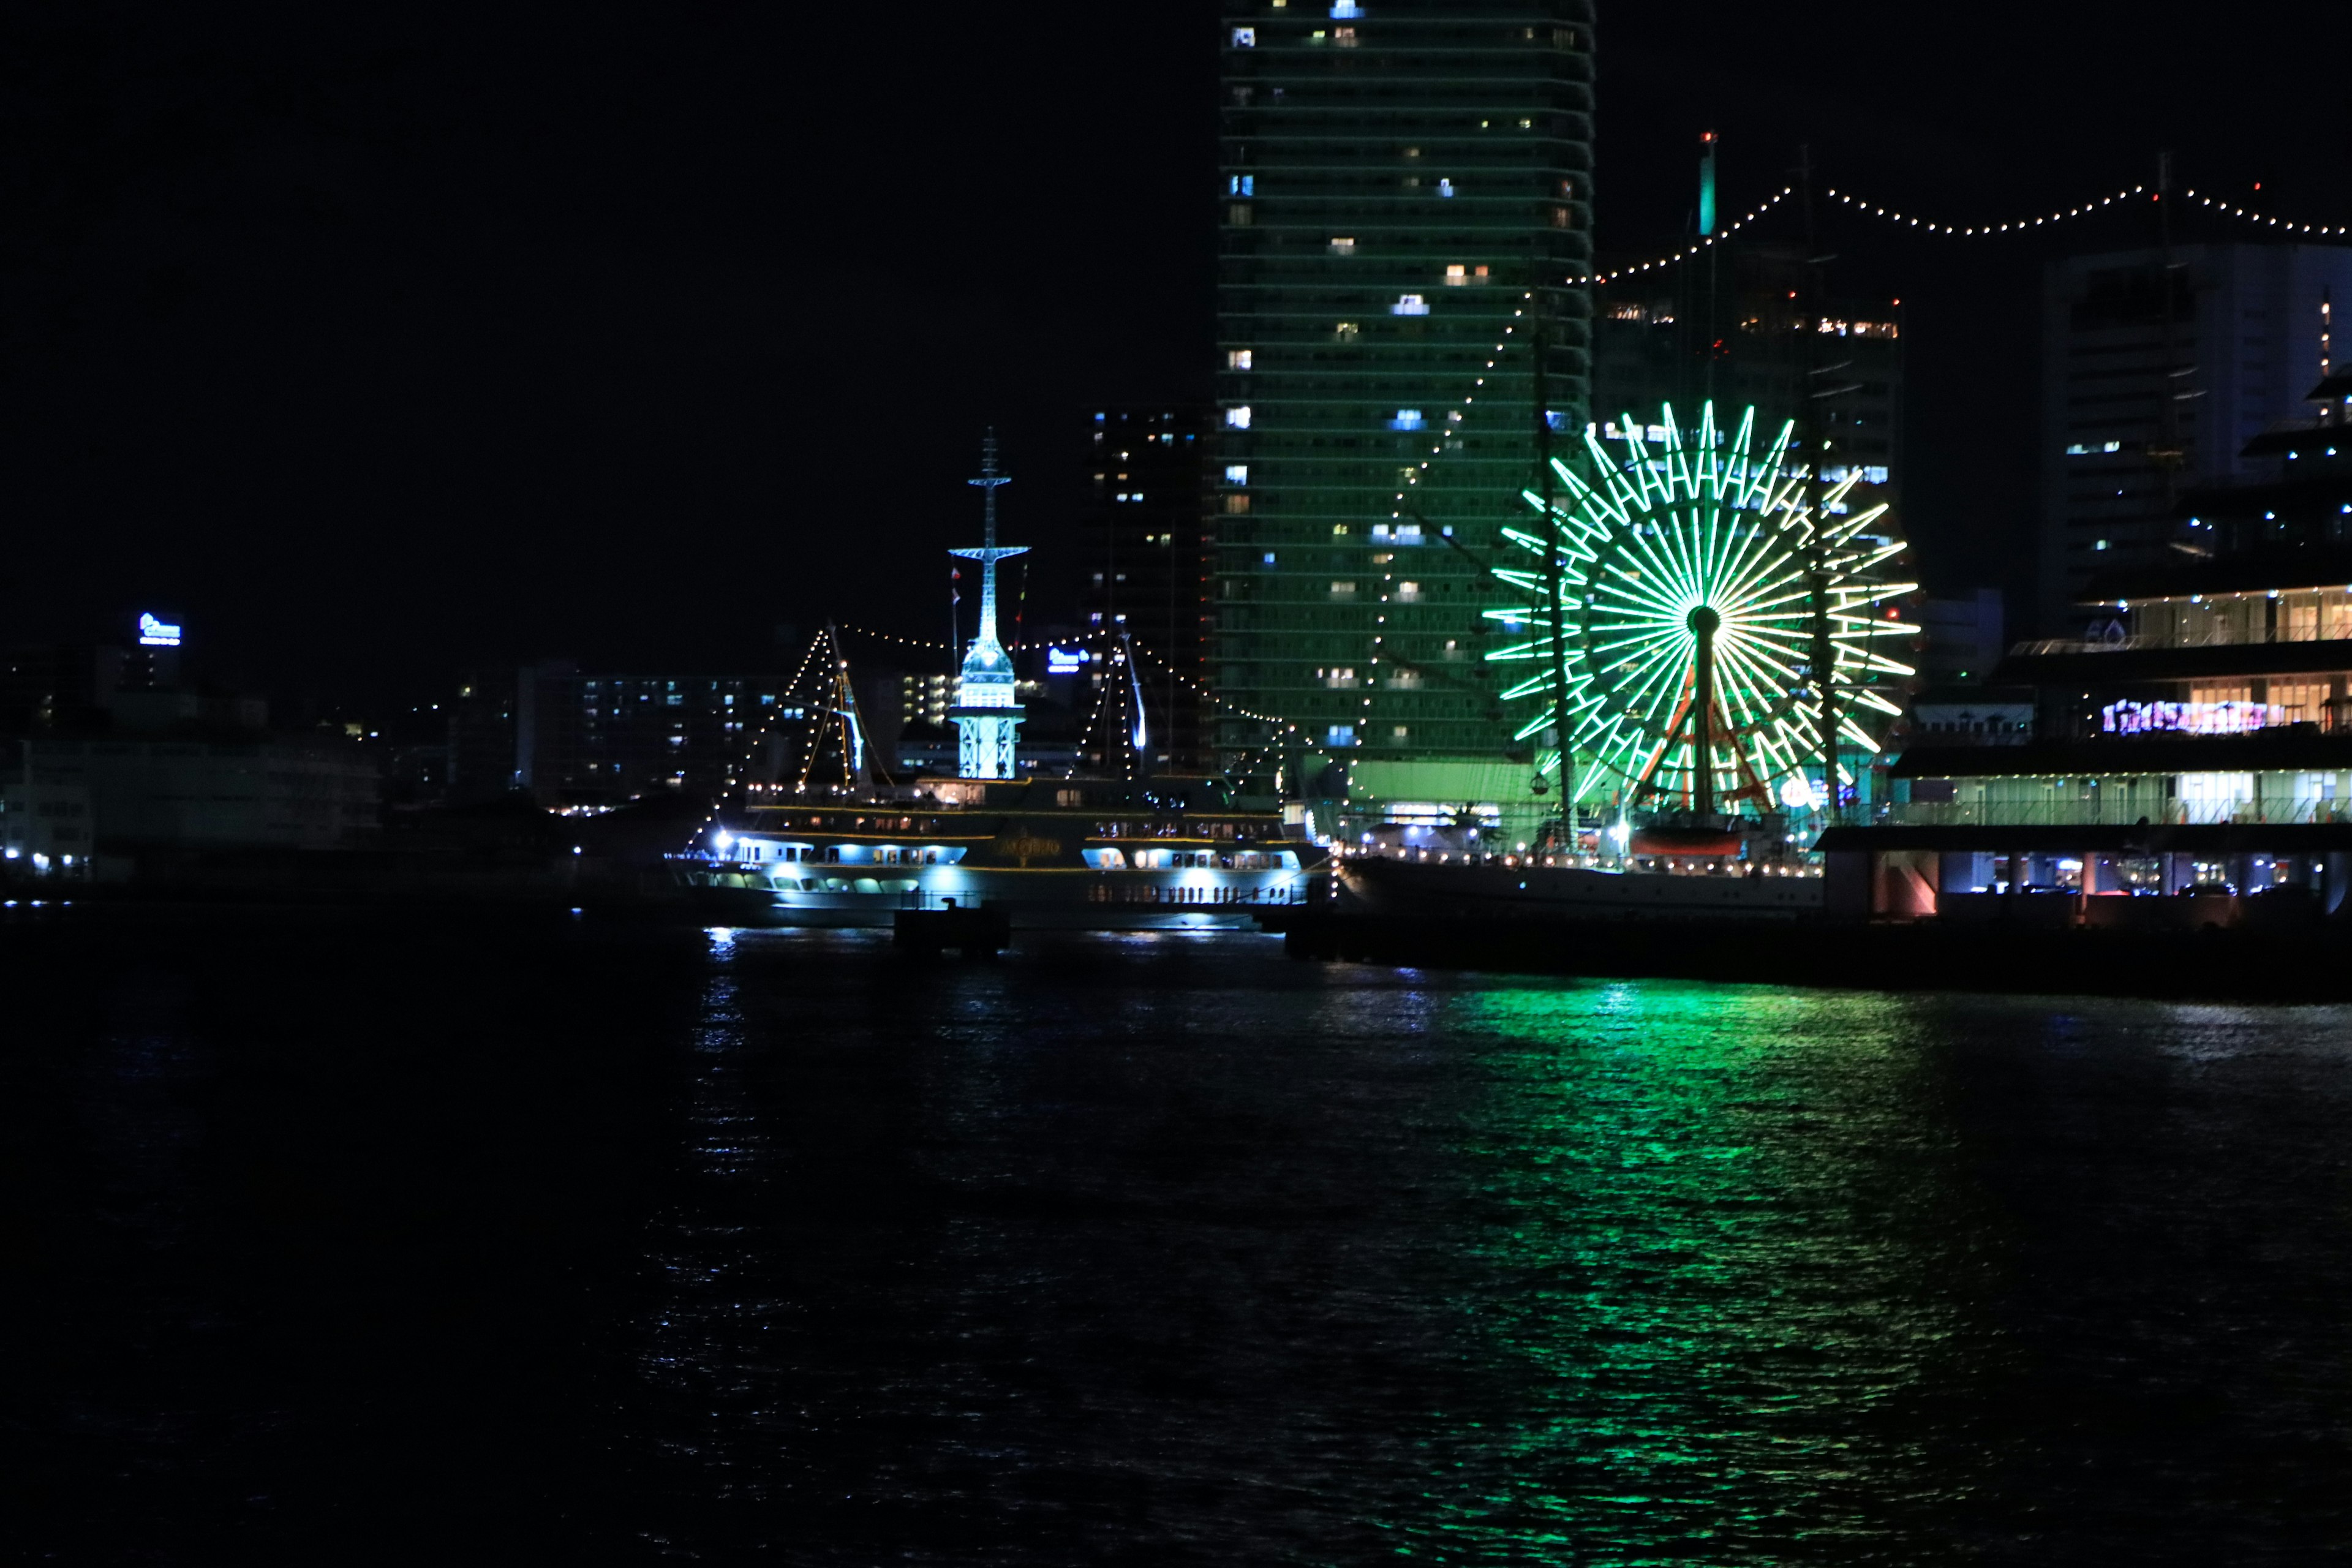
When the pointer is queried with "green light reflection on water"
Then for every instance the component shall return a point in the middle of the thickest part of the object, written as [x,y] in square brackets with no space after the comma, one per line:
[1719,1265]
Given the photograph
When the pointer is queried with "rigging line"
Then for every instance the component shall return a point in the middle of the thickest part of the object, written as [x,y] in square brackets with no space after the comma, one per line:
[1977,231]
[728,783]
[1687,253]
[1146,649]
[893,636]
[2218,205]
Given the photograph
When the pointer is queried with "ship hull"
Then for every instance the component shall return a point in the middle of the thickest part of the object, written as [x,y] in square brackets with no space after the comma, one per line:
[1481,890]
[1046,899]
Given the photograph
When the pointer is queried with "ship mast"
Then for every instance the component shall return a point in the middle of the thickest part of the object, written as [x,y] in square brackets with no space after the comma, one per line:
[987,710]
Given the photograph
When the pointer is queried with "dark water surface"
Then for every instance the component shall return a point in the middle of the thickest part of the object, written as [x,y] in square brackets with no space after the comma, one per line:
[331,1241]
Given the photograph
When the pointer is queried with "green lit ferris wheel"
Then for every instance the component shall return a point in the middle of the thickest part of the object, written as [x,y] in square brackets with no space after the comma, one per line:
[1682,613]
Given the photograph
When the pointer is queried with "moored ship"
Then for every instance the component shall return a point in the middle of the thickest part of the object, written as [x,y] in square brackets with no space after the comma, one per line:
[1100,854]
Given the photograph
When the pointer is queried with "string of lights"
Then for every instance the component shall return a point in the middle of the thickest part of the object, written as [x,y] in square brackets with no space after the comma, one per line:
[2250,216]
[1126,732]
[905,642]
[2019,225]
[1453,420]
[727,789]
[1199,691]
[1845,198]
[841,700]
[1698,248]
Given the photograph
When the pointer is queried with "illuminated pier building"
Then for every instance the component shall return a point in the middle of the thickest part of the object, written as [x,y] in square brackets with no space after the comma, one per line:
[2151,390]
[1395,178]
[2193,739]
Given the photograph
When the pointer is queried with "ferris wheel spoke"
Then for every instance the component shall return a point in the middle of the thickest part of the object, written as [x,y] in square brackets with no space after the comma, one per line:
[1657,687]
[1761,655]
[1751,675]
[1676,579]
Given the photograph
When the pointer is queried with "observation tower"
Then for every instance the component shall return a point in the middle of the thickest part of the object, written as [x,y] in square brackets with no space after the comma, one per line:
[987,712]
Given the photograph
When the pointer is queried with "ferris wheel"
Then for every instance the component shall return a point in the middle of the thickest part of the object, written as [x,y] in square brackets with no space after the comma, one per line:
[1681,611]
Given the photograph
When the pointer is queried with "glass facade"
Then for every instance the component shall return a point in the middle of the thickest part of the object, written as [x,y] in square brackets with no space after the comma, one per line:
[1394,179]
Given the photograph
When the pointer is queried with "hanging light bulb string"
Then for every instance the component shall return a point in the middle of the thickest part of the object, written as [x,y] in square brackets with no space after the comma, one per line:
[1199,691]
[727,787]
[1978,231]
[2250,216]
[904,642]
[1695,248]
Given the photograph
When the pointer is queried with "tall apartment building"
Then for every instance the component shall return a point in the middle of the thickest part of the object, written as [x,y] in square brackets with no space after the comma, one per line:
[1145,571]
[1395,178]
[2153,383]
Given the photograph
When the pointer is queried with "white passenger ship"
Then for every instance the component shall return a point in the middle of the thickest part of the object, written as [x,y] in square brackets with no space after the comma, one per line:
[1093,854]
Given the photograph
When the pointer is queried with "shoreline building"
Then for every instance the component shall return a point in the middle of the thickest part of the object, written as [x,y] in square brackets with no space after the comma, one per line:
[2159,367]
[1394,179]
[113,766]
[987,712]
[2195,740]
[565,737]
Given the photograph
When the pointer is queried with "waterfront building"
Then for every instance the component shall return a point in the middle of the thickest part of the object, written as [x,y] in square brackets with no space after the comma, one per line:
[569,737]
[2159,367]
[1142,532]
[2191,740]
[111,757]
[987,711]
[94,805]
[1393,181]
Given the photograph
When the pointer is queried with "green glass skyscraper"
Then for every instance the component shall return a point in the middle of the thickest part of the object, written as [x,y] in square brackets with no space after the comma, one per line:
[1396,177]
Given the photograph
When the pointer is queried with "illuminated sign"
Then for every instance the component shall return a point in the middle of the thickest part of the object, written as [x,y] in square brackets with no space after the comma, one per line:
[153,633]
[2188,718]
[1065,660]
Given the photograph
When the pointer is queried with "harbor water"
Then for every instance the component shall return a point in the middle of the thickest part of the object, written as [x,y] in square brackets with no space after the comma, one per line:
[342,1239]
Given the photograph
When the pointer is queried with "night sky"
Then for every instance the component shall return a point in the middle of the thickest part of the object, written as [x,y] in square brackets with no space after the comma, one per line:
[379,340]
